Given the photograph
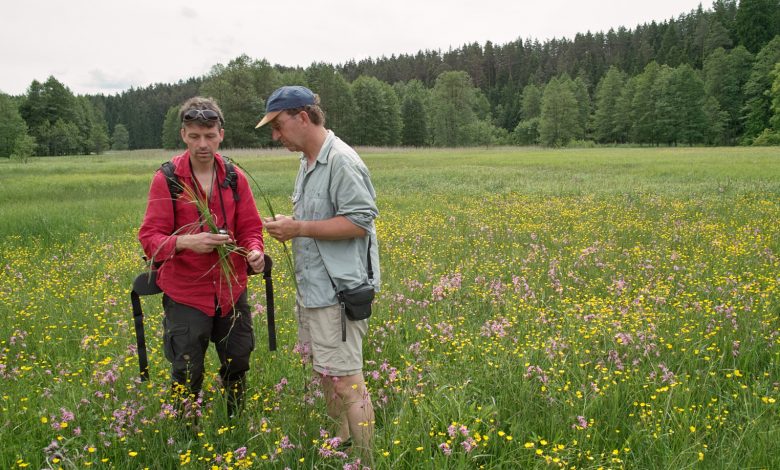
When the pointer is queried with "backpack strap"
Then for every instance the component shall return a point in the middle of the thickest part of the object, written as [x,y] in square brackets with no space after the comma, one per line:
[168,169]
[231,178]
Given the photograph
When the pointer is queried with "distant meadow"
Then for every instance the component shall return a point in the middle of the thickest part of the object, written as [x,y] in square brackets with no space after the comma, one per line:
[571,308]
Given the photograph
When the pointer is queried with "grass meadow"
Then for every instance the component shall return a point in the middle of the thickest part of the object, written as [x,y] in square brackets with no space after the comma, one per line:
[597,308]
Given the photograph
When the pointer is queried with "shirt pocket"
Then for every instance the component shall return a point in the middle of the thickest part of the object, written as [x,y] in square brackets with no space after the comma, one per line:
[317,207]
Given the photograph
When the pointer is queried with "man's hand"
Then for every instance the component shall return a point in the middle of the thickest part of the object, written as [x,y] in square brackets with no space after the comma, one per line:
[256,261]
[203,242]
[282,227]
[339,227]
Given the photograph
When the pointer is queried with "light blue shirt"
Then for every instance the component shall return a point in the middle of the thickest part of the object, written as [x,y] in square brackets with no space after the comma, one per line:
[338,184]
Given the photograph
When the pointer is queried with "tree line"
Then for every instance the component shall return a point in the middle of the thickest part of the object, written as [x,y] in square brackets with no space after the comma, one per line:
[709,77]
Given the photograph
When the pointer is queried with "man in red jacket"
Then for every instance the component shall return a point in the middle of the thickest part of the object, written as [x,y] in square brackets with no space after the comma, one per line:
[202,300]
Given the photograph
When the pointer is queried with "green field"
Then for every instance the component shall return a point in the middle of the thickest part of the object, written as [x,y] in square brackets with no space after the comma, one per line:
[596,308]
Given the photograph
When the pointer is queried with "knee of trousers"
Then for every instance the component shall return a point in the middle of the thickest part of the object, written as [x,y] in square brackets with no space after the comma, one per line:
[188,373]
[234,368]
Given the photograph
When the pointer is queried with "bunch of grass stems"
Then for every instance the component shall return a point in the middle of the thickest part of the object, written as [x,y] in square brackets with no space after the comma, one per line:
[269,206]
[223,263]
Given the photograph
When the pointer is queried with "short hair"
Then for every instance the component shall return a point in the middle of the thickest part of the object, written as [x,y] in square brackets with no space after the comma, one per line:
[199,102]
[315,112]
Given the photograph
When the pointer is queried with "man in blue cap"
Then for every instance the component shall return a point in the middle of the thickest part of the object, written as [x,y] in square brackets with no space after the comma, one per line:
[335,248]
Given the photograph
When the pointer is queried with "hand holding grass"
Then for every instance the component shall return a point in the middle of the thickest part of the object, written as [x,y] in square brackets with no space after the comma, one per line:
[282,227]
[203,242]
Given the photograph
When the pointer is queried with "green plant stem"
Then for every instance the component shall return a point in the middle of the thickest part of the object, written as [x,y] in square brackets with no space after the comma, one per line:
[269,206]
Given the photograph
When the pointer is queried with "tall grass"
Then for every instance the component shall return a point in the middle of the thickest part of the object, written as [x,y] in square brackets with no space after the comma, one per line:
[599,308]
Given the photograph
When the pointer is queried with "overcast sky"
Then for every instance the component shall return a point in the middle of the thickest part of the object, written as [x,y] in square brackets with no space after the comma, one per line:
[106,46]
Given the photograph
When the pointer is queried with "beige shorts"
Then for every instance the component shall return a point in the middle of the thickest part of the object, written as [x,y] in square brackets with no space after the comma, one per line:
[320,329]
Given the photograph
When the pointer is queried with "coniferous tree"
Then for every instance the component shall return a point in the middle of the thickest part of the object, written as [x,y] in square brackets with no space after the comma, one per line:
[725,13]
[717,37]
[755,23]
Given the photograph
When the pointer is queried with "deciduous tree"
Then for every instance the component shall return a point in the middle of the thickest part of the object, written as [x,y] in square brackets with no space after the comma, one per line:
[239,88]
[559,123]
[335,97]
[171,134]
[120,140]
[725,74]
[12,125]
[414,115]
[757,111]
[605,118]
[453,101]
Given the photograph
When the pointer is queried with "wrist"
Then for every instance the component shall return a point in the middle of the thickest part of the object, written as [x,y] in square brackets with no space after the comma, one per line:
[180,242]
[302,229]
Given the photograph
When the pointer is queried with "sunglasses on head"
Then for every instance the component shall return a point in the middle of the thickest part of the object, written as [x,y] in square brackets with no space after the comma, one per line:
[203,114]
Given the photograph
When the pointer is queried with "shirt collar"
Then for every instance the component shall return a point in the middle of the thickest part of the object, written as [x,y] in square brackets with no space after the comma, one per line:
[322,157]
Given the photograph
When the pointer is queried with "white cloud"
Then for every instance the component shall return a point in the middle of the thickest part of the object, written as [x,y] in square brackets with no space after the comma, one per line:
[100,80]
[189,12]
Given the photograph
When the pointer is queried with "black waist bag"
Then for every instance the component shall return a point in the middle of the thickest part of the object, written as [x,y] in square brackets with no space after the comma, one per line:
[356,302]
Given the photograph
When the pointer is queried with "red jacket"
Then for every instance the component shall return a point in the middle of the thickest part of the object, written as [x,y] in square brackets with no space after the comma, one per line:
[191,278]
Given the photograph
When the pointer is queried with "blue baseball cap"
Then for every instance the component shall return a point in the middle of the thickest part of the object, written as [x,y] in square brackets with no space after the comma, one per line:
[286,97]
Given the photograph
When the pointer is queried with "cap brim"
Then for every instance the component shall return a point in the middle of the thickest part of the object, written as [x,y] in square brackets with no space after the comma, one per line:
[268,118]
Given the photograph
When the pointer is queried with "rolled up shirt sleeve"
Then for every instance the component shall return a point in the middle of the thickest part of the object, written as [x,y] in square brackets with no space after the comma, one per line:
[353,194]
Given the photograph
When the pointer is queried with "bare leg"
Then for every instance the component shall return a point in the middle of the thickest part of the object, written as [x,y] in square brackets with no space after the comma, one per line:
[335,407]
[351,405]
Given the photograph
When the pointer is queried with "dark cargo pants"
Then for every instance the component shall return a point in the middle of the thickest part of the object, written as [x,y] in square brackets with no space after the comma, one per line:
[186,336]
